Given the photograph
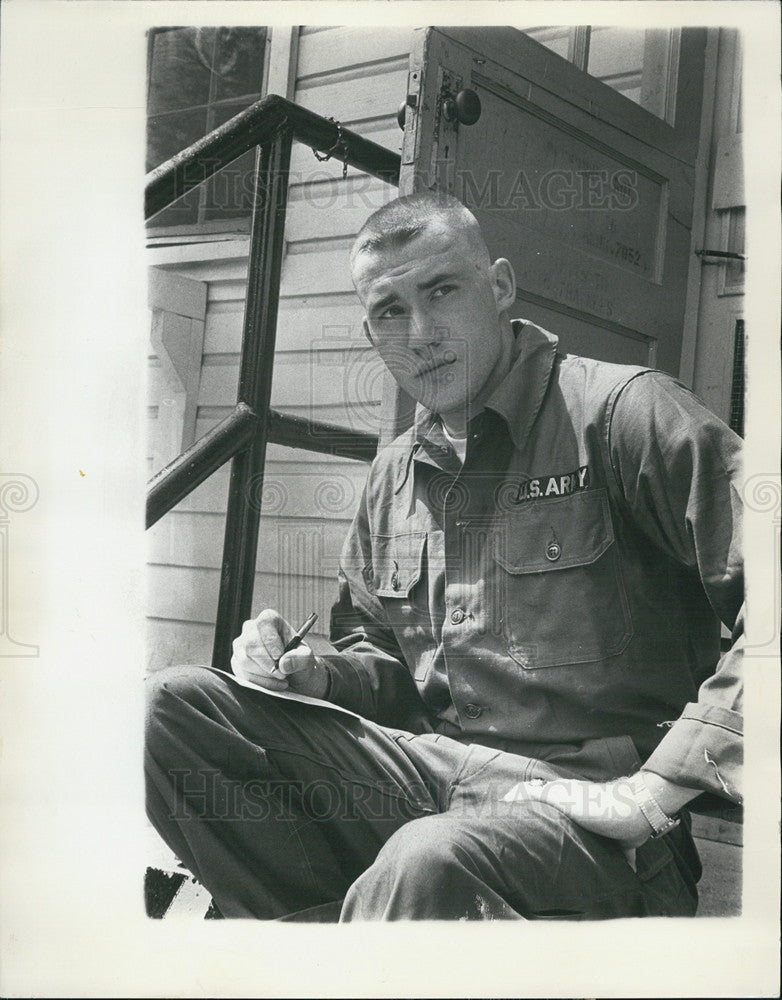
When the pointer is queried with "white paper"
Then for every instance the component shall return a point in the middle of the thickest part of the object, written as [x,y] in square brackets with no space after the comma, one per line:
[305,699]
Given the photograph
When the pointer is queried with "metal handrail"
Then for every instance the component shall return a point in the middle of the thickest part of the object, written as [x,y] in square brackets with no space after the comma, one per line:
[187,471]
[255,126]
[271,125]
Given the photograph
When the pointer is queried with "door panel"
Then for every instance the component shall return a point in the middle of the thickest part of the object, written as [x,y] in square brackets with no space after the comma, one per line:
[587,194]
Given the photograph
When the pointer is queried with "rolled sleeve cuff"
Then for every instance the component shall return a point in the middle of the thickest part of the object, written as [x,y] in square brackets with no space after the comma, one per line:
[703,749]
[349,686]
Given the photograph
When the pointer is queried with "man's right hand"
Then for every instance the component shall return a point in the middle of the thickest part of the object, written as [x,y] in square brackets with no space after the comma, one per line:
[257,657]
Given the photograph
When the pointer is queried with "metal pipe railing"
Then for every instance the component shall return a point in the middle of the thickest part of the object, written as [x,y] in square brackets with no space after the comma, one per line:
[267,243]
[192,467]
[255,126]
[187,471]
[272,125]
[327,439]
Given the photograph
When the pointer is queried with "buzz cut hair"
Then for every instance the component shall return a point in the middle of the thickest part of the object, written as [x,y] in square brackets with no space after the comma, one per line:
[403,219]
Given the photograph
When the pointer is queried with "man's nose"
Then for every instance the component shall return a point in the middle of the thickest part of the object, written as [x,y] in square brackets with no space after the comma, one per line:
[425,334]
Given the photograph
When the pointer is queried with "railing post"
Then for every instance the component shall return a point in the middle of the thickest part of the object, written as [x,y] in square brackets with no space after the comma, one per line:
[255,381]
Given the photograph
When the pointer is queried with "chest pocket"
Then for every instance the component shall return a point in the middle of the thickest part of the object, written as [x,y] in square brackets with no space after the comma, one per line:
[397,563]
[398,578]
[560,582]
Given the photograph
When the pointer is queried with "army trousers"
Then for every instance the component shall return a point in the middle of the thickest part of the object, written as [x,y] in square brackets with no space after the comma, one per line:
[284,810]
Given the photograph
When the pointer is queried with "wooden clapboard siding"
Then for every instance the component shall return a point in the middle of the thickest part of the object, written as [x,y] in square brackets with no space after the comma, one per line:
[339,50]
[188,594]
[301,489]
[333,209]
[360,97]
[318,376]
[323,366]
[196,540]
[326,271]
[171,641]
[300,322]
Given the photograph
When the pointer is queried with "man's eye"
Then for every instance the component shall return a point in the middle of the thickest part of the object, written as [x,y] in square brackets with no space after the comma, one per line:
[391,312]
[442,290]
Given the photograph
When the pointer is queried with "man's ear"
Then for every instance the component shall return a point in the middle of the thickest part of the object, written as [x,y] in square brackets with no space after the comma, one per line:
[503,282]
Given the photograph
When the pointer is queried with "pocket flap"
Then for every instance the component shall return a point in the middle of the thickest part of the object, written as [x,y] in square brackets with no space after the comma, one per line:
[397,562]
[555,534]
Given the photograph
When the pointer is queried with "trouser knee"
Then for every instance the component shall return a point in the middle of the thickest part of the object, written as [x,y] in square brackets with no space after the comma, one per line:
[192,712]
[424,871]
[422,851]
[179,681]
[419,859]
[168,691]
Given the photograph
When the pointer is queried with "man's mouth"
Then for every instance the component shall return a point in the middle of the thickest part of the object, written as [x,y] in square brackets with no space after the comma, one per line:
[435,364]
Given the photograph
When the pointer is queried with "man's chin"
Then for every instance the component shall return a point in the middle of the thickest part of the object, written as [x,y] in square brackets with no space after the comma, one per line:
[440,400]
[447,409]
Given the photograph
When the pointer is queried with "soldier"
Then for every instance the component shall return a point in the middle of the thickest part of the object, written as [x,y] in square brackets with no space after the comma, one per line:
[527,630]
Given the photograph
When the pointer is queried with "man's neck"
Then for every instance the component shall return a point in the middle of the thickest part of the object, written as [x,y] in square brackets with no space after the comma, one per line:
[456,421]
[455,424]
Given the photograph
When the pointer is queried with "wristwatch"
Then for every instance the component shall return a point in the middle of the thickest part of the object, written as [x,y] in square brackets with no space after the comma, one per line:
[659,821]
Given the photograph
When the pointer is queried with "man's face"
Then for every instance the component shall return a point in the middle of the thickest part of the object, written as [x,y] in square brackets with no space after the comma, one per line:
[433,312]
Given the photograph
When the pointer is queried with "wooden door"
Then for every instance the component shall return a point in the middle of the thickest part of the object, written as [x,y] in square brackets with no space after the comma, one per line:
[589,195]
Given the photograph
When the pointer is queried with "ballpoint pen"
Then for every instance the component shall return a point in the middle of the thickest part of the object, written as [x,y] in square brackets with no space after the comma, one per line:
[296,638]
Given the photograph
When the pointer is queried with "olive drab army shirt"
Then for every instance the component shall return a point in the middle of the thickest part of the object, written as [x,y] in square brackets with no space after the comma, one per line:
[564,587]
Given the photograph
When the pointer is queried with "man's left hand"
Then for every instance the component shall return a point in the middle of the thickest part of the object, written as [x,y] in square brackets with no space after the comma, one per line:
[608,808]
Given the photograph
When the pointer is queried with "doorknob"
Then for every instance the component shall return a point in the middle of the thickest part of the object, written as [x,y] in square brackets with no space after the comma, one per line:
[465,107]
[410,101]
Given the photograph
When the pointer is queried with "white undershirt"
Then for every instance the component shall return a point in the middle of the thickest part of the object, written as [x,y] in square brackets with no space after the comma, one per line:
[459,444]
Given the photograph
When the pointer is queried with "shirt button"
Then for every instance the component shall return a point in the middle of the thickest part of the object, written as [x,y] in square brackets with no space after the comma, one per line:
[457,616]
[472,711]
[553,551]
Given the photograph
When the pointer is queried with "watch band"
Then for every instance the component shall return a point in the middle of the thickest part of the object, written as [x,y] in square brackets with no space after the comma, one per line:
[659,821]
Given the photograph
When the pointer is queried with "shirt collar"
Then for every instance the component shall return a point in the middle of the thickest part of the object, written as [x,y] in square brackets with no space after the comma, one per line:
[518,398]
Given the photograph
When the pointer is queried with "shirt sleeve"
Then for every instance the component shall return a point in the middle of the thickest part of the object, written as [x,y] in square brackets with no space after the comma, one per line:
[679,469]
[369,674]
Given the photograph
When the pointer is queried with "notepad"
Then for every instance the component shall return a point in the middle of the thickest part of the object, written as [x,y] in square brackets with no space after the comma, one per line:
[305,699]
